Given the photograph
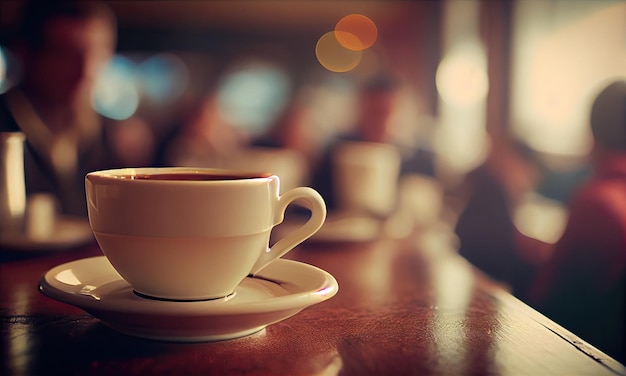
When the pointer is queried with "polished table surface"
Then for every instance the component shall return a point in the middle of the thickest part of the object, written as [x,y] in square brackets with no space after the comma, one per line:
[408,306]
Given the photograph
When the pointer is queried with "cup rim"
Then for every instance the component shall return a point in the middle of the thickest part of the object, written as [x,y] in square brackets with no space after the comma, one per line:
[120,175]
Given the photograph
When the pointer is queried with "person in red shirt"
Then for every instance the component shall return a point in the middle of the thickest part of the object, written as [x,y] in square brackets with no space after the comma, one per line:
[581,285]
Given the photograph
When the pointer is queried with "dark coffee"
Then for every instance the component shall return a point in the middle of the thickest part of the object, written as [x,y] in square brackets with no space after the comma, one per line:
[200,176]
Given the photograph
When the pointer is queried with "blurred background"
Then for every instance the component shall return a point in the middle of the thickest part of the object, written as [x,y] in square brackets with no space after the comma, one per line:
[467,67]
[489,103]
[470,72]
[472,75]
[510,79]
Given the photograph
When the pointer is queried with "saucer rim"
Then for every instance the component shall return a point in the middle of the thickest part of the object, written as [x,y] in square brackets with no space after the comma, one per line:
[54,243]
[326,288]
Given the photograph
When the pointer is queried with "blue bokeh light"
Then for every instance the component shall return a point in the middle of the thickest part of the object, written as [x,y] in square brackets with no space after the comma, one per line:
[164,77]
[3,71]
[10,70]
[116,94]
[251,97]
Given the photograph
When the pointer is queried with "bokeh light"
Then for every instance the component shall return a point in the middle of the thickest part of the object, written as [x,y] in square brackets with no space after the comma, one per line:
[251,97]
[335,57]
[164,77]
[116,95]
[3,70]
[461,77]
[460,140]
[540,218]
[356,32]
[9,70]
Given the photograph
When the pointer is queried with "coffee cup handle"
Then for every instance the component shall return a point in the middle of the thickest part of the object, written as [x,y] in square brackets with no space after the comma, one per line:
[308,198]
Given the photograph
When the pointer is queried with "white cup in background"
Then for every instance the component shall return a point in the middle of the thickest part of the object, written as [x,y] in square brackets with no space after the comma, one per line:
[365,177]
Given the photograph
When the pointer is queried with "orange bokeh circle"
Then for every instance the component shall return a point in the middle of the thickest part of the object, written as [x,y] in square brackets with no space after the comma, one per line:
[356,32]
[333,56]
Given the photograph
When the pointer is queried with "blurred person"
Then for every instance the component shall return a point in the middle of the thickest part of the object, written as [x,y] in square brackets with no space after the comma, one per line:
[201,138]
[485,226]
[132,141]
[581,285]
[291,135]
[62,46]
[289,132]
[376,102]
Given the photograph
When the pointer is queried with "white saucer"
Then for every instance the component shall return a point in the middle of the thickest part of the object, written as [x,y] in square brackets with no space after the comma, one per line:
[278,292]
[68,232]
[338,227]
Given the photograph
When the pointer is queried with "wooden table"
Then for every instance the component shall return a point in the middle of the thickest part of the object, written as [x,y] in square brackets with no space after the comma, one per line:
[409,306]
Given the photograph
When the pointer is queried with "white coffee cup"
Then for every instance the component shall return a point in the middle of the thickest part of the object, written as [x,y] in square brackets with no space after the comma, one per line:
[182,233]
[365,177]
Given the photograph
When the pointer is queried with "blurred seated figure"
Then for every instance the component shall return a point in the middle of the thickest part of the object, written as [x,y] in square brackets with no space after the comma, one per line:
[132,141]
[581,285]
[289,132]
[62,45]
[203,138]
[376,103]
[286,146]
[485,226]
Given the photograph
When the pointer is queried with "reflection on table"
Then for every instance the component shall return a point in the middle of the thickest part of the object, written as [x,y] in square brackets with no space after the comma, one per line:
[404,306]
